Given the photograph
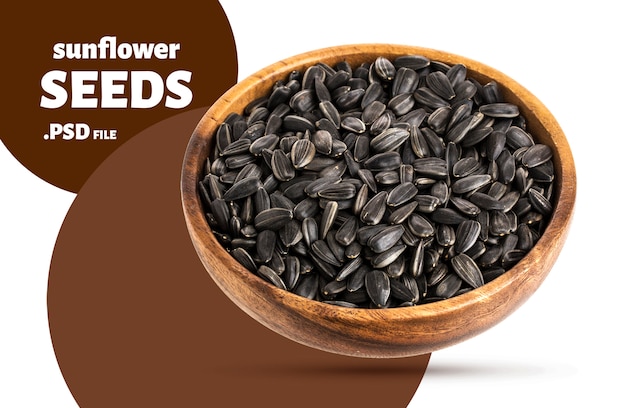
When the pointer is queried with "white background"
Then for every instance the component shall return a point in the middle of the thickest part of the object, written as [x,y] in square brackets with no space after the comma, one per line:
[564,346]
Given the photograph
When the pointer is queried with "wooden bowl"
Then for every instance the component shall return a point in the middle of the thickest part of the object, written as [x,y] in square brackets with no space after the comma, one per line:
[380,333]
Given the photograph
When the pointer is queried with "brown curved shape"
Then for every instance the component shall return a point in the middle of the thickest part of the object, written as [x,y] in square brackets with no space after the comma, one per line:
[387,333]
[67,164]
[136,321]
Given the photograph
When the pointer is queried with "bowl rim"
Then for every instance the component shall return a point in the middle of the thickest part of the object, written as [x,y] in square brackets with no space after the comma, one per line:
[550,242]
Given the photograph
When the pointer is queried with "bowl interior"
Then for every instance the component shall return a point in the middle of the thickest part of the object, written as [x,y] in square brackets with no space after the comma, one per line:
[394,332]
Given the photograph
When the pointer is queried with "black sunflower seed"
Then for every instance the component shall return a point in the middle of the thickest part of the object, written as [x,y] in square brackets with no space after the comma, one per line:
[389,139]
[386,238]
[401,194]
[242,189]
[378,287]
[374,210]
[468,271]
[272,218]
[500,110]
[271,276]
[467,233]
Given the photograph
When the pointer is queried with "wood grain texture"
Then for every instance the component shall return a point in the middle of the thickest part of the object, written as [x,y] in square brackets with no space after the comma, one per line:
[388,333]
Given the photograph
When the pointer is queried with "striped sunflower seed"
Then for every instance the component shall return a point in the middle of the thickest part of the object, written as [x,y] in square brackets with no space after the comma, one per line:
[323,141]
[486,202]
[401,104]
[401,213]
[310,231]
[349,268]
[445,235]
[416,266]
[448,286]
[291,233]
[465,206]
[467,233]
[427,203]
[539,202]
[333,287]
[386,238]
[401,194]
[368,178]
[374,210]
[434,167]
[517,138]
[272,218]
[467,270]
[470,183]
[397,268]
[372,112]
[219,210]
[536,154]
[328,218]
[350,100]
[353,250]
[500,110]
[415,62]
[302,153]
[330,112]
[427,97]
[307,286]
[243,257]
[384,161]
[378,287]
[320,249]
[405,81]
[438,120]
[346,233]
[242,188]
[356,280]
[373,92]
[282,168]
[384,68]
[271,276]
[420,226]
[265,244]
[292,272]
[383,122]
[264,142]
[401,292]
[337,191]
[447,216]
[440,84]
[387,257]
[389,139]
[353,124]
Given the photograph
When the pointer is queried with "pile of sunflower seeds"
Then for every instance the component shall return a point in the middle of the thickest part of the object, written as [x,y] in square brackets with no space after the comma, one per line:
[392,183]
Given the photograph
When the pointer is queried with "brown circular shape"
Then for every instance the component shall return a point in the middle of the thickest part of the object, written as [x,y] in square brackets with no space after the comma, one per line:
[396,332]
[207,50]
[136,321]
